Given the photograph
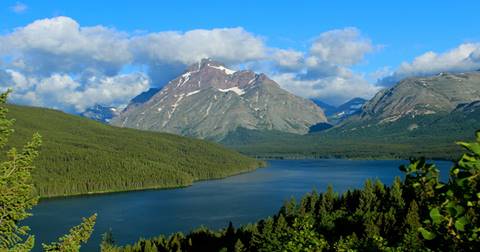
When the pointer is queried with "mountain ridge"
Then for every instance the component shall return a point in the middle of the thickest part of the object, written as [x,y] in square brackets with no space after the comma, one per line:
[209,100]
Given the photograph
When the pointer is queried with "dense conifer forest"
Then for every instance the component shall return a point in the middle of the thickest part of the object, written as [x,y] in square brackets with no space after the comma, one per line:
[80,156]
[435,139]
[417,213]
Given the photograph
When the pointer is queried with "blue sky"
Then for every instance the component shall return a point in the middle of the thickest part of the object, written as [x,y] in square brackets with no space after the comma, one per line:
[397,31]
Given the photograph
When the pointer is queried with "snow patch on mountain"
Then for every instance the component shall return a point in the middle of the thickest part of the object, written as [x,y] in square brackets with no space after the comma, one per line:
[193,92]
[236,90]
[222,68]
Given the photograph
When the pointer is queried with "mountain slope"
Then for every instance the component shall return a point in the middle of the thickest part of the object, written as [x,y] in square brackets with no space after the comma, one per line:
[80,156]
[396,123]
[327,108]
[346,110]
[423,96]
[210,100]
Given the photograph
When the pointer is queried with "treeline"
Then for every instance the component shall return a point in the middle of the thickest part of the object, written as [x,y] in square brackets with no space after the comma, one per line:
[80,156]
[430,136]
[418,213]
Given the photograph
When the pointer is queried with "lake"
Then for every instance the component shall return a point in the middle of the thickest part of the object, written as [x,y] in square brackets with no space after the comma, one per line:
[241,199]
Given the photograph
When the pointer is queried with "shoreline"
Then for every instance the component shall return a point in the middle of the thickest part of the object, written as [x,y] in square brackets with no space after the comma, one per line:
[79,195]
[265,164]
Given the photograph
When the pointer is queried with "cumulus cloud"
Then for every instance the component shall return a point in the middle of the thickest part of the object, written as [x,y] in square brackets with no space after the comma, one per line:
[61,45]
[324,71]
[62,91]
[342,46]
[333,90]
[167,53]
[229,45]
[58,63]
[19,7]
[465,57]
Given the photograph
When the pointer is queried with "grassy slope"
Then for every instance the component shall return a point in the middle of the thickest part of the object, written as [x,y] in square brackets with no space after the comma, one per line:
[81,156]
[434,138]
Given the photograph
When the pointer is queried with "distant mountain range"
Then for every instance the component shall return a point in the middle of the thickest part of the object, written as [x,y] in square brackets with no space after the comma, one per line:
[336,115]
[209,101]
[251,113]
[421,116]
[100,113]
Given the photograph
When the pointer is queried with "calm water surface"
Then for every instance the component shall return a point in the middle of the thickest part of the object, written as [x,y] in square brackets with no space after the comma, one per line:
[241,199]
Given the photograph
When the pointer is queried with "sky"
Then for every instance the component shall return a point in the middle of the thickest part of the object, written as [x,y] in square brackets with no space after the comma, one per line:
[71,55]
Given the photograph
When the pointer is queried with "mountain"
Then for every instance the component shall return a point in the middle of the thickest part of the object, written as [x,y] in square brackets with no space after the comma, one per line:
[81,156]
[421,116]
[327,108]
[346,110]
[422,96]
[209,101]
[100,113]
[336,115]
[144,96]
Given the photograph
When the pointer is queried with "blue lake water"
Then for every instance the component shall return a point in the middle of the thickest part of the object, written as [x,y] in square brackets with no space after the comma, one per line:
[241,199]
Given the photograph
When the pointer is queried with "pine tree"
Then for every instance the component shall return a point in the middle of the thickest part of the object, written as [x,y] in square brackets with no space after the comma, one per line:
[18,196]
[239,247]
[108,243]
[73,240]
[411,238]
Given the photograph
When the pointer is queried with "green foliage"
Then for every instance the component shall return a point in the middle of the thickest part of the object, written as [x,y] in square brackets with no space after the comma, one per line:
[72,241]
[17,196]
[108,243]
[16,188]
[418,213]
[434,139]
[89,157]
[454,206]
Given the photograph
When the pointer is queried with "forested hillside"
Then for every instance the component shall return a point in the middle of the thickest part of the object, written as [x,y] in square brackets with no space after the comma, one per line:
[417,213]
[80,156]
[431,136]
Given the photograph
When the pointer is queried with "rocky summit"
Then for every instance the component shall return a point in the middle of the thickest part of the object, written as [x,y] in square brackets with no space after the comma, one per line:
[210,100]
[423,96]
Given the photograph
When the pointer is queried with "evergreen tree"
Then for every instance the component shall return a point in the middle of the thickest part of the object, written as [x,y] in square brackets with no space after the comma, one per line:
[73,240]
[17,196]
[108,243]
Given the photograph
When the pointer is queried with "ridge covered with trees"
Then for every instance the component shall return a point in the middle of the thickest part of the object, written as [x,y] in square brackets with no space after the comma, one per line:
[418,213]
[82,156]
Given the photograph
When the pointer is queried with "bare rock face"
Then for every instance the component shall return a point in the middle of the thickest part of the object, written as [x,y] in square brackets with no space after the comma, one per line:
[423,96]
[210,100]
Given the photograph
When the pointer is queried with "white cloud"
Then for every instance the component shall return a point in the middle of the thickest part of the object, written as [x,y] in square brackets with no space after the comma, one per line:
[465,57]
[64,92]
[229,45]
[342,47]
[324,71]
[168,53]
[334,90]
[288,60]
[60,45]
[58,63]
[19,7]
